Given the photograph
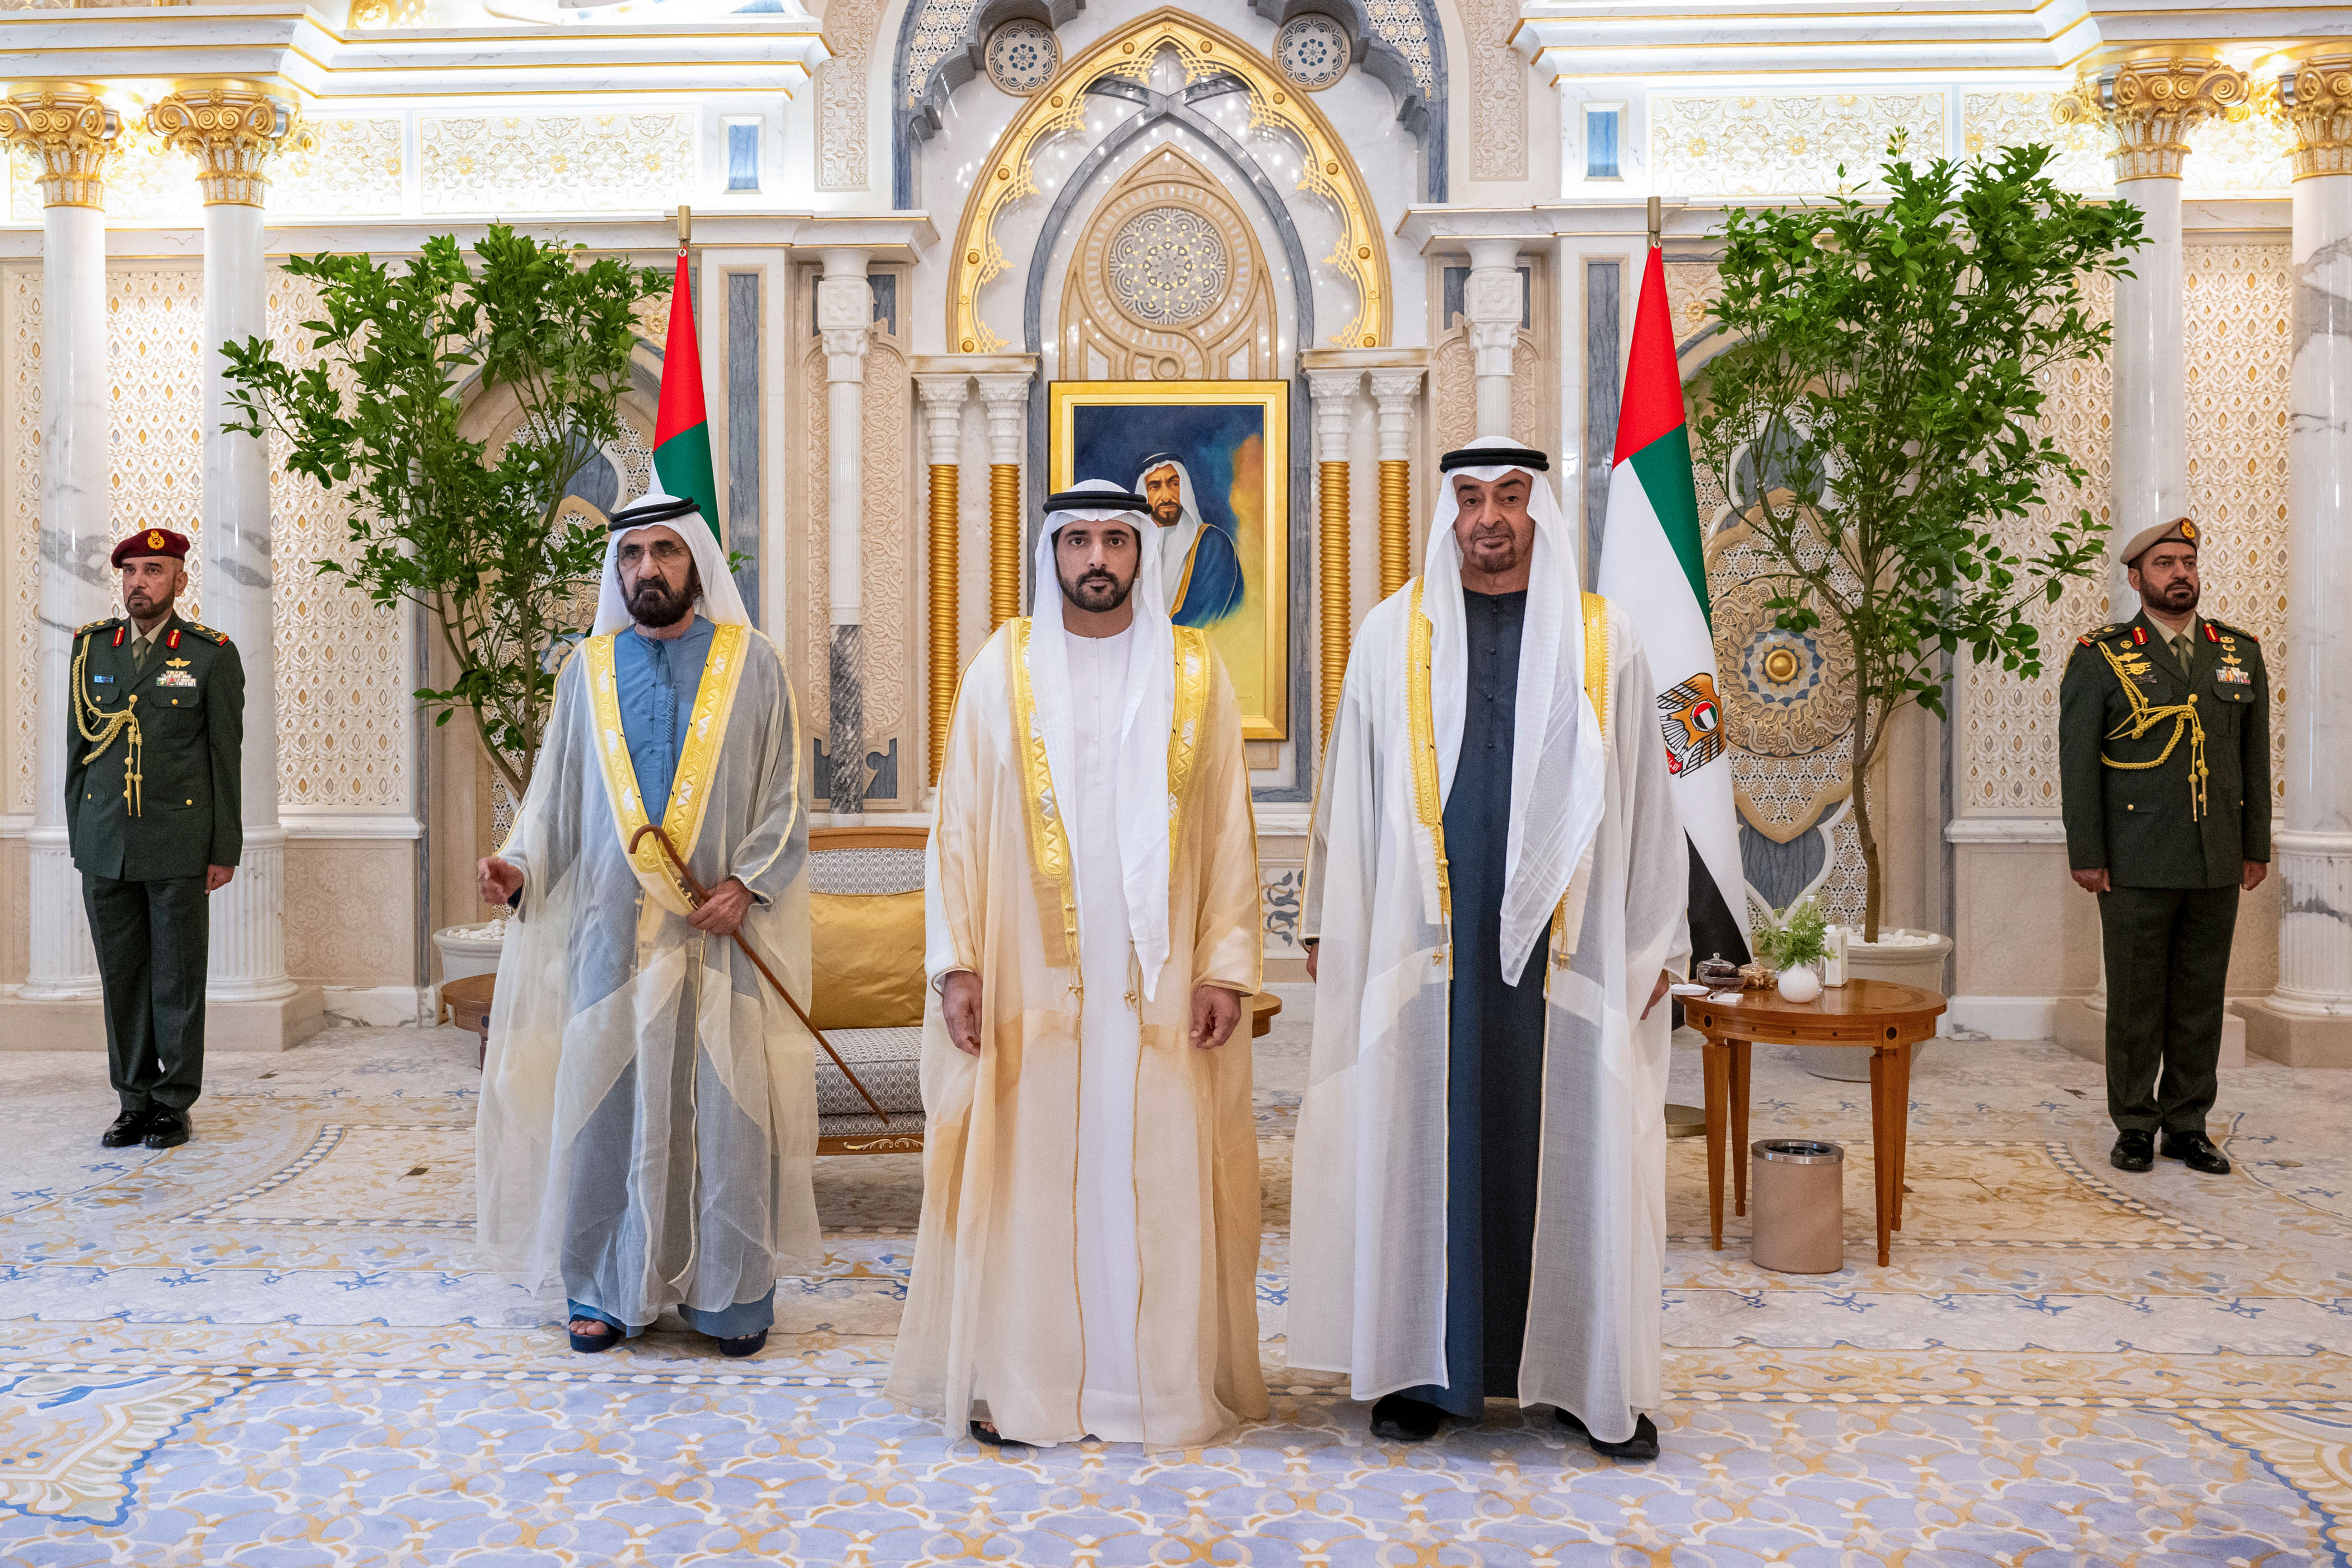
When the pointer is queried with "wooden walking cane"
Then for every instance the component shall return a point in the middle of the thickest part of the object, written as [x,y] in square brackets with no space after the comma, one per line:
[697,894]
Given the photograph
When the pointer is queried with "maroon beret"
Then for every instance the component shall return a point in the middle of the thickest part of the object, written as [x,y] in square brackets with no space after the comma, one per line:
[152,541]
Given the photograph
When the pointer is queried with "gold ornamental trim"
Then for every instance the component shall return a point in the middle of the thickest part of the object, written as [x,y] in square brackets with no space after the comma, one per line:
[1396,523]
[2313,99]
[1004,543]
[1331,575]
[1421,725]
[1360,255]
[1185,723]
[73,132]
[1049,833]
[946,668]
[230,129]
[689,792]
[2150,99]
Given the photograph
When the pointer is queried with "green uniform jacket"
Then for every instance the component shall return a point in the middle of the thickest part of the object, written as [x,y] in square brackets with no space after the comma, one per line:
[190,703]
[2137,822]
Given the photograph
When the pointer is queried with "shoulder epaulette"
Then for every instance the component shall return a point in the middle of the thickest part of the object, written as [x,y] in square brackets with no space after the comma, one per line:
[2213,630]
[95,627]
[2100,634]
[210,635]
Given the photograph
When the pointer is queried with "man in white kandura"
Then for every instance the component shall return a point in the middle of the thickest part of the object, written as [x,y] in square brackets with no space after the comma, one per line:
[1087,1259]
[1496,888]
[649,1113]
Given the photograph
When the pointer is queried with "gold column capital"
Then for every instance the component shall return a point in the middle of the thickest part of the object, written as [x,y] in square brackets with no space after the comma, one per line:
[2313,98]
[72,131]
[230,127]
[2150,98]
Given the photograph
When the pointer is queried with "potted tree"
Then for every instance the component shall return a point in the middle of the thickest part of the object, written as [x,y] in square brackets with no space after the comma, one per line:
[1877,422]
[479,537]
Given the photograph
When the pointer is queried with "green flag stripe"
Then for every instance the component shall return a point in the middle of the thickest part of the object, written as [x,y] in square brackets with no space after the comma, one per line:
[1663,468]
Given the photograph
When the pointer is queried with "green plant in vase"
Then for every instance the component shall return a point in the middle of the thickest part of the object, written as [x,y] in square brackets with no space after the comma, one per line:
[1794,938]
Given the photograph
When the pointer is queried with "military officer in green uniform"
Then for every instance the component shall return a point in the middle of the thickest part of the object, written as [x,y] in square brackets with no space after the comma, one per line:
[154,812]
[2164,750]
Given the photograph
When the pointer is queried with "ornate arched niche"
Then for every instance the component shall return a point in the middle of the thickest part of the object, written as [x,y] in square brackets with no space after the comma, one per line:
[1168,283]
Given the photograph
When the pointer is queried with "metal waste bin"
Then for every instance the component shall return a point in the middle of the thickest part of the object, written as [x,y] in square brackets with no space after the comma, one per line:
[1797,1192]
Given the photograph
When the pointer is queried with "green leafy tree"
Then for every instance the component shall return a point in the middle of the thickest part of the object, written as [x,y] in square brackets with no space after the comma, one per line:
[439,520]
[1878,418]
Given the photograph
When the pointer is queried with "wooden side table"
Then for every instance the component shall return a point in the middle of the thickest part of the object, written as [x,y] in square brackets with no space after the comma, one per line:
[1877,1016]
[468,1001]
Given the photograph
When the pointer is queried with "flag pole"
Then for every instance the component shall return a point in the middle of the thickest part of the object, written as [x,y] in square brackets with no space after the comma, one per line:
[1658,220]
[685,225]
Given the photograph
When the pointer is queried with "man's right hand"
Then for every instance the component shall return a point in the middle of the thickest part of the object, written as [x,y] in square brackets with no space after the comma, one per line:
[2094,881]
[1312,949]
[959,1005]
[500,881]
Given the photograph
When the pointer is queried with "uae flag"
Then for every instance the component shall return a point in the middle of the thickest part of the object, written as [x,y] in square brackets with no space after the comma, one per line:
[1654,562]
[681,429]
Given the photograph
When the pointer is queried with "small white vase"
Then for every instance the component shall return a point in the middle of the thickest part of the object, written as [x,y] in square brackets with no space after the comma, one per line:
[1801,983]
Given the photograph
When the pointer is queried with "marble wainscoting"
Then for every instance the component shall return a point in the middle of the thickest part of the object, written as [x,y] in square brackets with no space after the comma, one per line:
[270,1347]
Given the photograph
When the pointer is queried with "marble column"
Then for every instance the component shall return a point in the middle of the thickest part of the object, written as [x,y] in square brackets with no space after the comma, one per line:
[1333,393]
[73,134]
[230,129]
[1005,396]
[1396,392]
[2307,1020]
[845,316]
[1494,301]
[2151,97]
[943,398]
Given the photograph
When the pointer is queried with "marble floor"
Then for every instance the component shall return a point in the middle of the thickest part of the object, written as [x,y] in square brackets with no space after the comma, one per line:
[266,1348]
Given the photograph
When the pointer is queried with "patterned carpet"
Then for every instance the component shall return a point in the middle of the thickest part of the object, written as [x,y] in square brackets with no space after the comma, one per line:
[266,1349]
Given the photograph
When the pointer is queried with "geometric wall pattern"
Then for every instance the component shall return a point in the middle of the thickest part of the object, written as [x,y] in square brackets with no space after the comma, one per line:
[154,334]
[2008,740]
[343,663]
[21,477]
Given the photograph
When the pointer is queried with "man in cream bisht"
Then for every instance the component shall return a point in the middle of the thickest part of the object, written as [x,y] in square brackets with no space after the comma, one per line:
[649,1113]
[1089,1252]
[1495,885]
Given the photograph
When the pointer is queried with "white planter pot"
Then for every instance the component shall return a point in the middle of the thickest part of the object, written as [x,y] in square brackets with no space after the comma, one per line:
[1801,983]
[469,950]
[1906,957]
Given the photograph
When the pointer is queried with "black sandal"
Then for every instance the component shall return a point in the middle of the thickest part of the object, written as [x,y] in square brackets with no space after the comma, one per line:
[743,1345]
[591,1345]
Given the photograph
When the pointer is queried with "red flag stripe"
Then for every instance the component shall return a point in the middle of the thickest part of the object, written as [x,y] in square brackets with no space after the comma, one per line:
[1653,383]
[681,382]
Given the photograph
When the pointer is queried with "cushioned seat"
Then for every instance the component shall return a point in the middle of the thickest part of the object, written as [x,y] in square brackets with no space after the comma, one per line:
[865,943]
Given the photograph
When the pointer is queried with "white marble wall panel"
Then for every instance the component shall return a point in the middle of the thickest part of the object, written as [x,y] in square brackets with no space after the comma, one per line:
[513,164]
[20,523]
[1740,144]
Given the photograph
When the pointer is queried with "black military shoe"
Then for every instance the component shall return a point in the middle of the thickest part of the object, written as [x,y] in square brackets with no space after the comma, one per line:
[2133,1151]
[2196,1151]
[1404,1420]
[127,1129]
[1642,1445]
[168,1128]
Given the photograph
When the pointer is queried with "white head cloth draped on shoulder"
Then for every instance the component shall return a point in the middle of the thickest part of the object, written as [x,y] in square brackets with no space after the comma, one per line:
[720,600]
[1141,784]
[1557,734]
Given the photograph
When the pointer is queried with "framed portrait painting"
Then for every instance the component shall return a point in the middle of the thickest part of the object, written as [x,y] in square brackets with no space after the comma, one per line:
[1212,459]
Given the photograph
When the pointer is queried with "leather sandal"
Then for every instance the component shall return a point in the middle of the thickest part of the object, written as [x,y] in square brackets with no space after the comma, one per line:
[591,1345]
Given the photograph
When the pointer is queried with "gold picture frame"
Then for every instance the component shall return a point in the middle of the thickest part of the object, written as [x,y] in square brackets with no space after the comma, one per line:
[1229,568]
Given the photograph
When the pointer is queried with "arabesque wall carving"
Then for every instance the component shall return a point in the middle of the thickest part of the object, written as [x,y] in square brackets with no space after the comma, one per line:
[20,473]
[1168,282]
[841,109]
[1765,143]
[556,163]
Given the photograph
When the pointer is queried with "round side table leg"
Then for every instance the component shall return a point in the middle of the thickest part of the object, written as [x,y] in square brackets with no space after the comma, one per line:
[1717,1061]
[1902,1109]
[1883,1155]
[1739,1049]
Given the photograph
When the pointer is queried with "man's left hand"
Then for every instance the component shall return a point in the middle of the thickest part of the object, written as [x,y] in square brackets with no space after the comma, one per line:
[2256,871]
[1658,992]
[216,878]
[723,911]
[1216,1011]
